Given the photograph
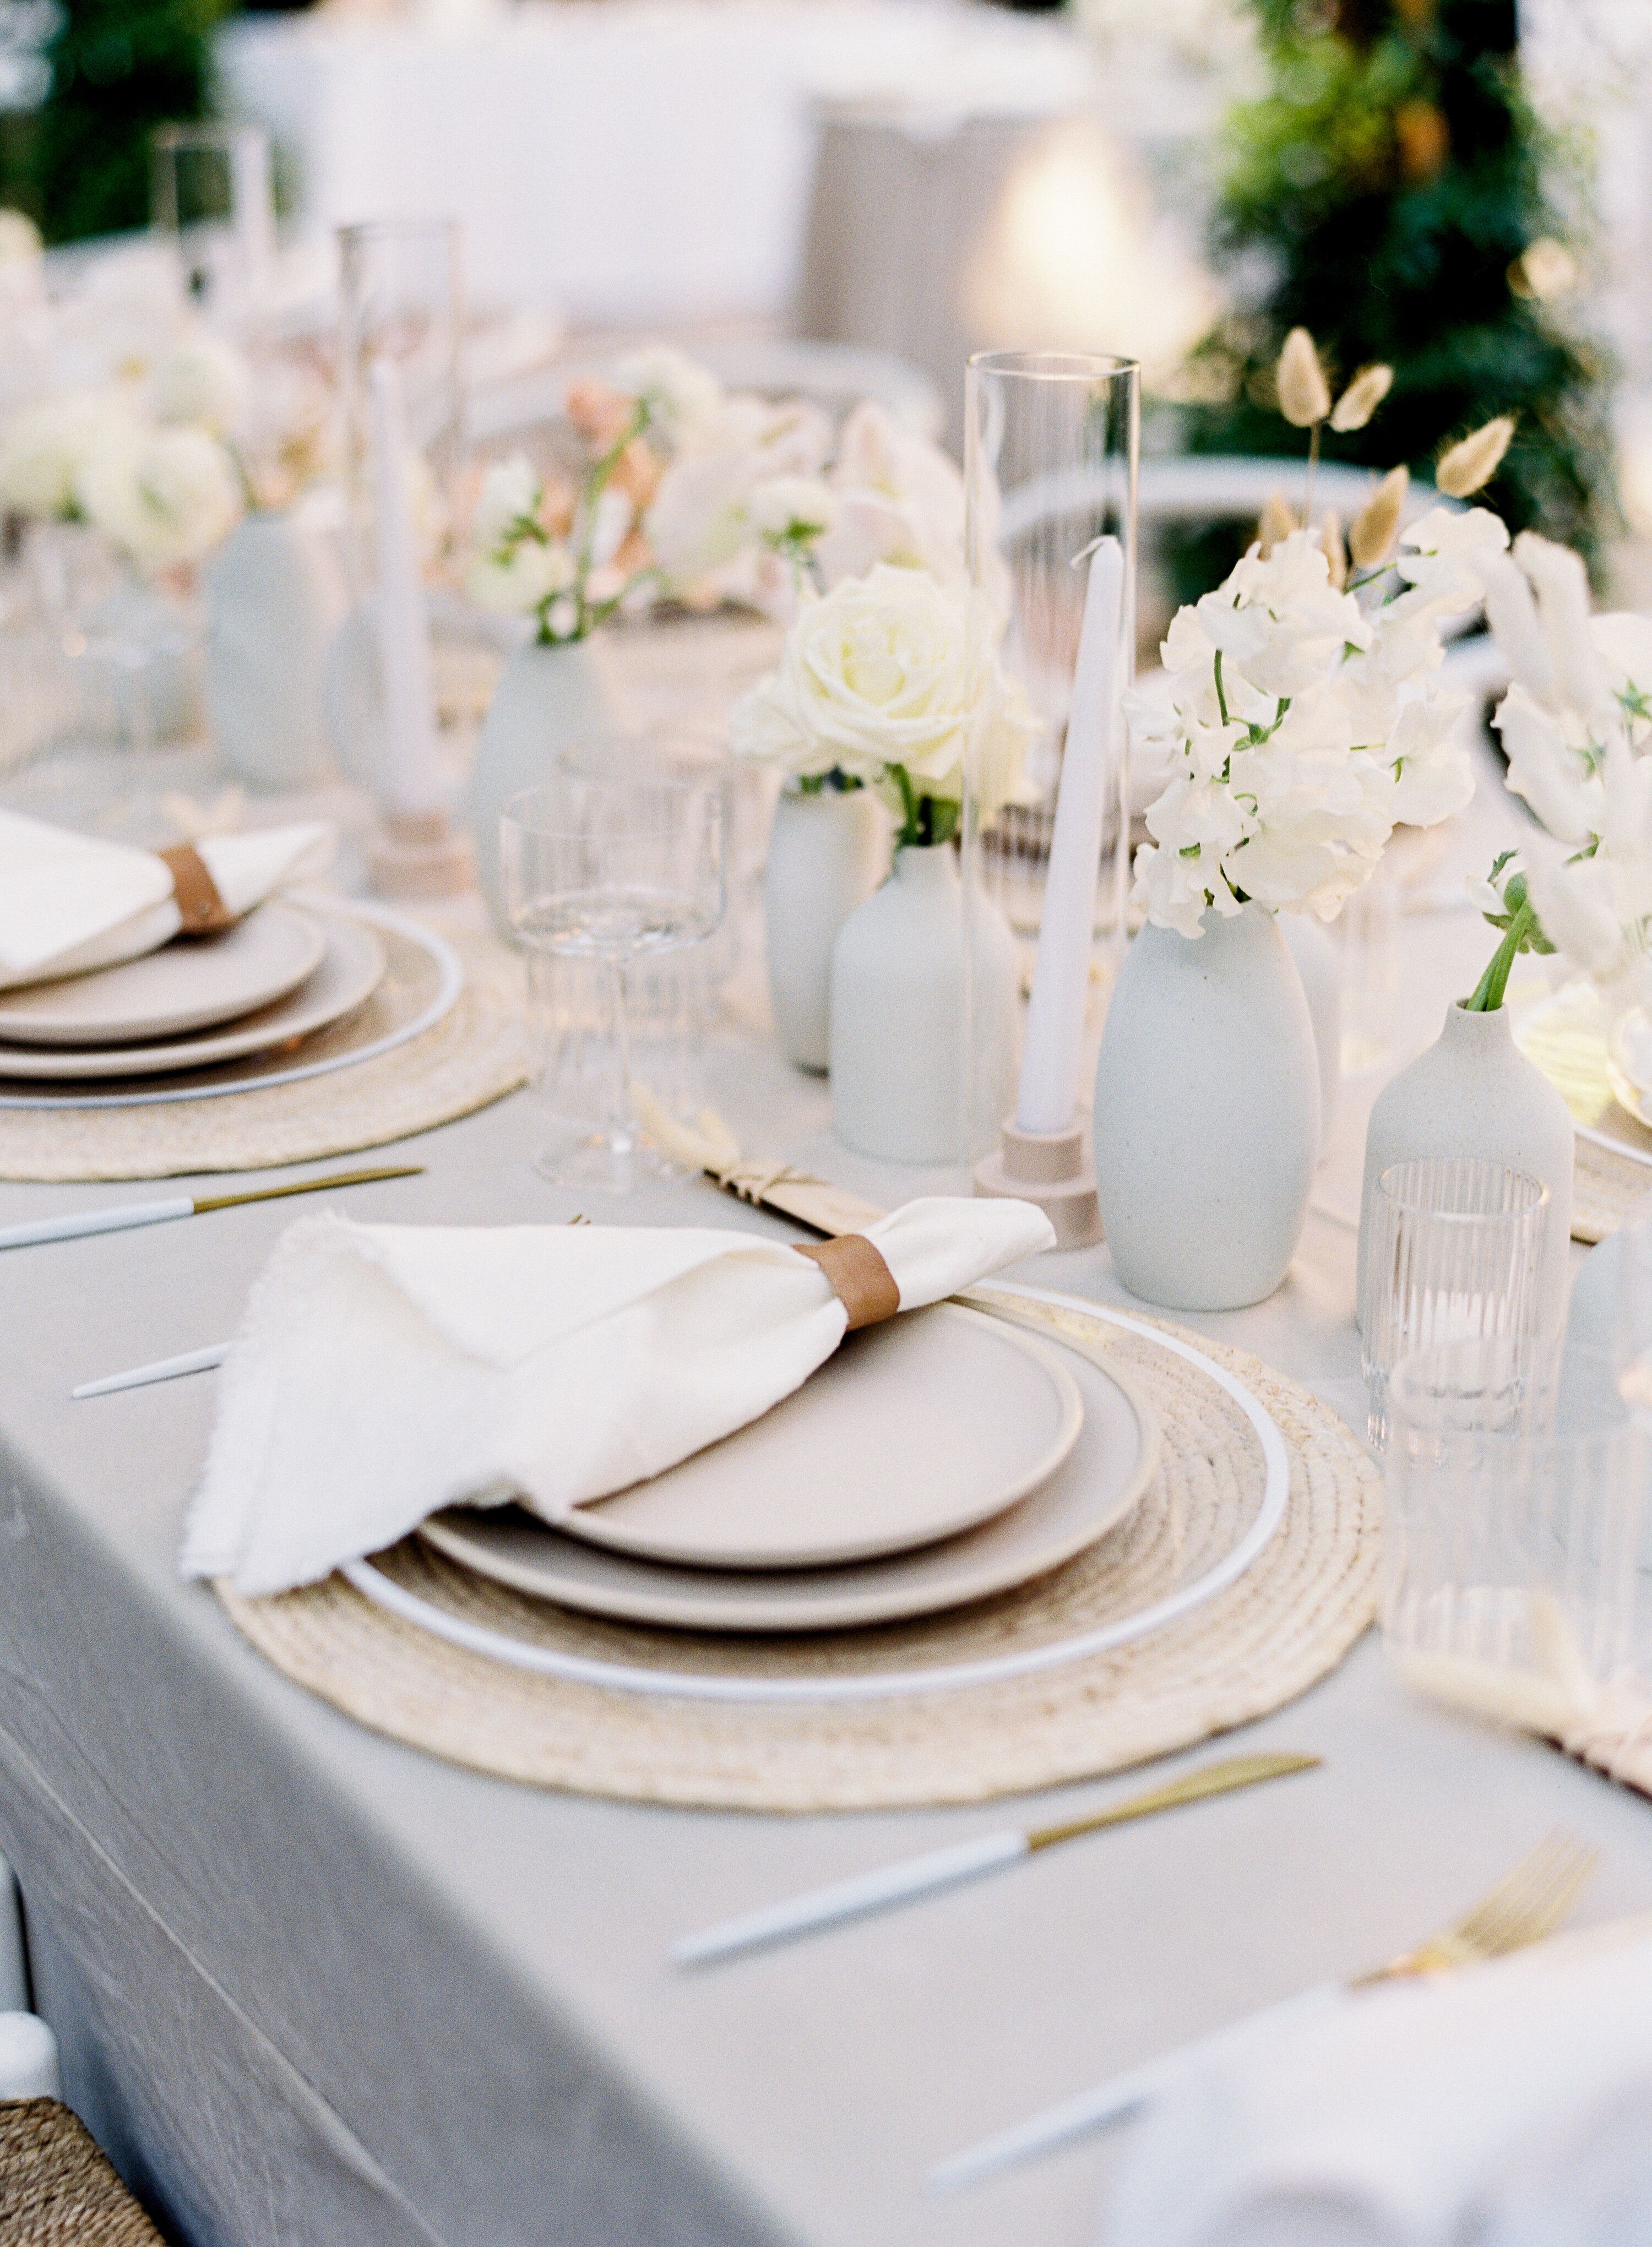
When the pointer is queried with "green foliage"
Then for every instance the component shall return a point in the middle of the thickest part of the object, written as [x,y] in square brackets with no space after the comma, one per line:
[1389,183]
[119,69]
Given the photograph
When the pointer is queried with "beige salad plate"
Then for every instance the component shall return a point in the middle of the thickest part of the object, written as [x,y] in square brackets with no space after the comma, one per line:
[912,1430]
[351,969]
[1097,1483]
[190,984]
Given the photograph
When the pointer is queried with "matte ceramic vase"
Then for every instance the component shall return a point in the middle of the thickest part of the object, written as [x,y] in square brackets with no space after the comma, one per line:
[826,853]
[1207,1114]
[272,609]
[898,1064]
[1473,1092]
[549,699]
[1319,962]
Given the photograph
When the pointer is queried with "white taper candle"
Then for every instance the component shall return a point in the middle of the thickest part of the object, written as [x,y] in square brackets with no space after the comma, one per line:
[1053,1056]
[409,777]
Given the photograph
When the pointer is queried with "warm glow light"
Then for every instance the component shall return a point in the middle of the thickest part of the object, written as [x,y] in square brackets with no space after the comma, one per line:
[1075,259]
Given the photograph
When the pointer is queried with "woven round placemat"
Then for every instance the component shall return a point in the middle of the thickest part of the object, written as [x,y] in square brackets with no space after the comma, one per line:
[57,2188]
[1256,1645]
[476,1053]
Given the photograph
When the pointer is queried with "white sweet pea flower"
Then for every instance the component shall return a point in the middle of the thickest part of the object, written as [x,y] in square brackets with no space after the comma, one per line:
[899,499]
[700,523]
[519,579]
[164,496]
[1177,891]
[791,510]
[507,505]
[202,382]
[1443,557]
[1432,777]
[1544,768]
[1624,646]
[1579,914]
[888,670]
[1561,585]
[683,397]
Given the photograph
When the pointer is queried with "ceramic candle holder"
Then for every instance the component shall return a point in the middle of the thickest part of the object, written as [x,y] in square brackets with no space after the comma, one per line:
[1052,1169]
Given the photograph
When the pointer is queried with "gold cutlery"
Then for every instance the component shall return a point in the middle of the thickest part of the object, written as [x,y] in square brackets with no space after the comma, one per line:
[1526,1905]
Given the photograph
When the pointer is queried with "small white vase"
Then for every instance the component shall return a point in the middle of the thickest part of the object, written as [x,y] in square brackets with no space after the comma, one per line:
[548,700]
[1207,1114]
[271,610]
[826,853]
[898,1064]
[1319,962]
[1473,1092]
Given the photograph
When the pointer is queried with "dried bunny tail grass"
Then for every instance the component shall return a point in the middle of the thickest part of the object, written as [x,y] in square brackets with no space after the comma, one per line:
[1374,530]
[1305,399]
[1476,458]
[1335,552]
[1277,523]
[1361,398]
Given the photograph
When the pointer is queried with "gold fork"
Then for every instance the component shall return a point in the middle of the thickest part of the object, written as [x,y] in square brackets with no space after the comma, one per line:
[1527,1904]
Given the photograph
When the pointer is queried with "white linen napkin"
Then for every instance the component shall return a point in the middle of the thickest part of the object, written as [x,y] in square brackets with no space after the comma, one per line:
[71,903]
[383,1372]
[1477,2106]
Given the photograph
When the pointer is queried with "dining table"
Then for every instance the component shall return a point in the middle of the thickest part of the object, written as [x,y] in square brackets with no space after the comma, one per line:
[314,1986]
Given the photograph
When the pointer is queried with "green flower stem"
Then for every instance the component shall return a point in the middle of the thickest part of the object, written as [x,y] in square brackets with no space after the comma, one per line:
[1488,992]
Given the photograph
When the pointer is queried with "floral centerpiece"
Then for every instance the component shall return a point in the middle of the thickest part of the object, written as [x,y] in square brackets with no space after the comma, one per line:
[892,682]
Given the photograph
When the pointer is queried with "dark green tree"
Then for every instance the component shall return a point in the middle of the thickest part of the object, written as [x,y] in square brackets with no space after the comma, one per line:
[1390,189]
[119,69]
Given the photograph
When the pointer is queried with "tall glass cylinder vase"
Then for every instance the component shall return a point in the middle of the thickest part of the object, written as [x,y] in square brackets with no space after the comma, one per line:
[210,198]
[1050,468]
[402,300]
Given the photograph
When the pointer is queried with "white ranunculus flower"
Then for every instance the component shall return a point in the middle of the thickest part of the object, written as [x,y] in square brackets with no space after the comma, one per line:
[682,397]
[163,496]
[517,580]
[885,670]
[507,502]
[203,382]
[45,447]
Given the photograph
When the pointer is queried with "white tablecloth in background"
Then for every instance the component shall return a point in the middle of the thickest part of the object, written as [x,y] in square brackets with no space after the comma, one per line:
[626,161]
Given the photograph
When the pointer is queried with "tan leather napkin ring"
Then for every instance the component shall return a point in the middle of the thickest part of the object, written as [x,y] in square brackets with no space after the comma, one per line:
[204,911]
[861,1281]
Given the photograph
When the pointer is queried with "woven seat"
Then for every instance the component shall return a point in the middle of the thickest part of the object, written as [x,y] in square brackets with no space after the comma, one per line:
[57,2190]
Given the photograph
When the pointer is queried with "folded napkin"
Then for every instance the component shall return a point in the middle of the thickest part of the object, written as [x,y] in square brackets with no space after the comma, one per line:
[70,903]
[1510,2104]
[383,1372]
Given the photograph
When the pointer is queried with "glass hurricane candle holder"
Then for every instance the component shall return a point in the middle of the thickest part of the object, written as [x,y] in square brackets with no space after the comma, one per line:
[1051,443]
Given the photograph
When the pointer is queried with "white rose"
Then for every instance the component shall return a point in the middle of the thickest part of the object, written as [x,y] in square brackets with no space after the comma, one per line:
[509,498]
[164,496]
[890,669]
[45,447]
[201,382]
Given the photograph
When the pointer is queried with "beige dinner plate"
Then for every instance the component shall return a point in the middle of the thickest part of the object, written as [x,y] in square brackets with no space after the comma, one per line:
[1109,1465]
[189,985]
[846,1468]
[352,965]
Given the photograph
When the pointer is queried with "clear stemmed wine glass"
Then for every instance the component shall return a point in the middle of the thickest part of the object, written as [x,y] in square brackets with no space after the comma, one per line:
[613,868]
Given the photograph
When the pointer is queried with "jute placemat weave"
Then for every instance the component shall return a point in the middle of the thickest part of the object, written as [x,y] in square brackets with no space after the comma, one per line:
[1267,1638]
[476,1053]
[57,2190]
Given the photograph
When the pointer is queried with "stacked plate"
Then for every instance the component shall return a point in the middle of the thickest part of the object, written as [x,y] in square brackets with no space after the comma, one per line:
[933,1461]
[276,978]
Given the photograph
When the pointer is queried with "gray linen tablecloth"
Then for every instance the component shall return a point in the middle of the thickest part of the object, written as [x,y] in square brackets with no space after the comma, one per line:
[316,1990]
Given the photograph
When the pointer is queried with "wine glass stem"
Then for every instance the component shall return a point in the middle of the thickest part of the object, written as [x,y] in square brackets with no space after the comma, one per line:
[622,1130]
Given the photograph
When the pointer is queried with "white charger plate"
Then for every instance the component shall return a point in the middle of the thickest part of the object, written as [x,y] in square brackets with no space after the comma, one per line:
[1101,1478]
[755,1686]
[847,1468]
[190,984]
[351,968]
